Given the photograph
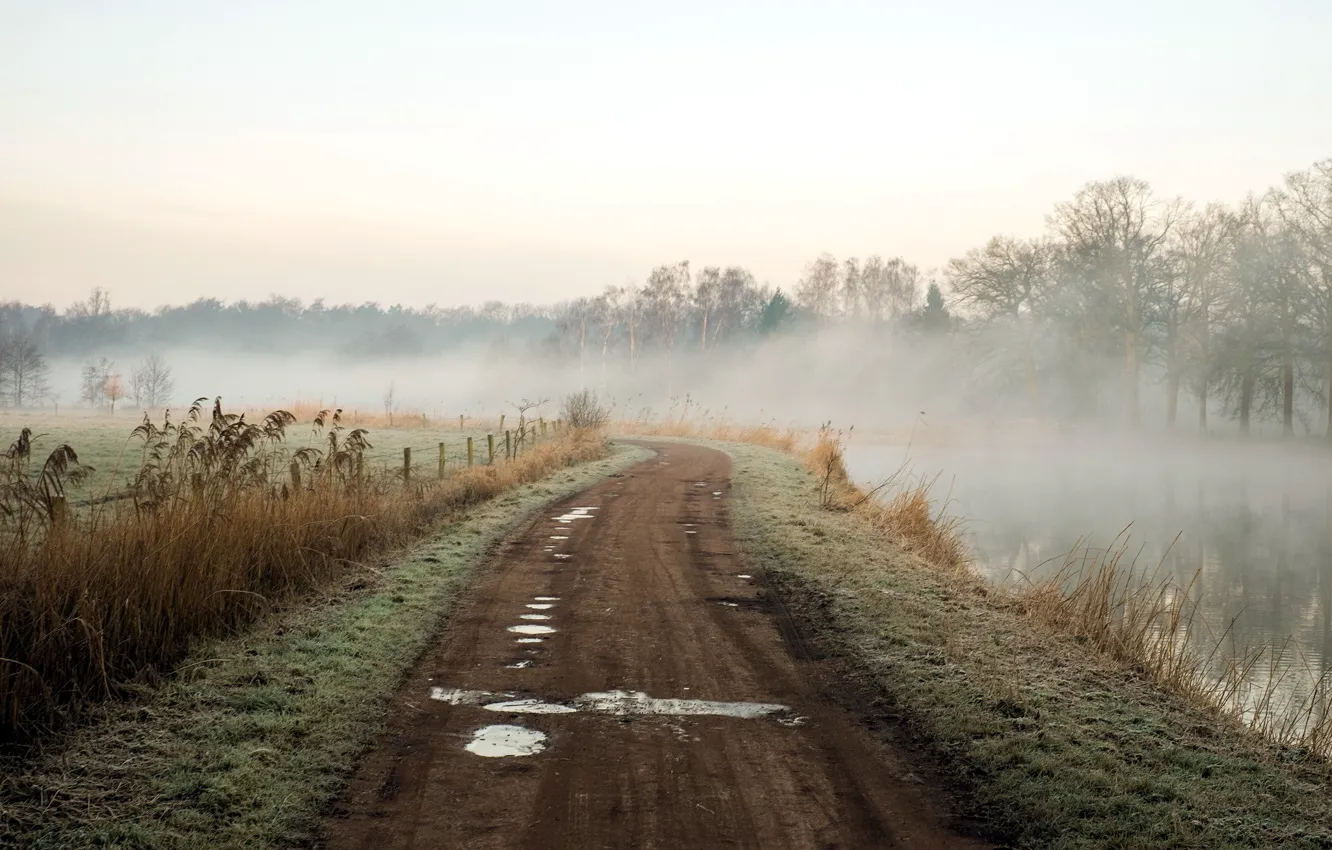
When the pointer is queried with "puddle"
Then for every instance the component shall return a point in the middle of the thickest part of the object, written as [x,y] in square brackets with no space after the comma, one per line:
[546,598]
[530,706]
[534,616]
[690,531]
[528,629]
[454,696]
[562,557]
[618,703]
[518,665]
[716,492]
[637,702]
[567,518]
[559,537]
[531,640]
[730,604]
[743,575]
[540,606]
[505,741]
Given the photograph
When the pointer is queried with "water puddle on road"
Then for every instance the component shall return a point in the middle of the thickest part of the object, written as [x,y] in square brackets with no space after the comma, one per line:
[637,702]
[506,741]
[546,598]
[531,629]
[529,706]
[617,703]
[743,575]
[531,640]
[562,557]
[519,665]
[690,531]
[540,606]
[730,604]
[559,537]
[534,616]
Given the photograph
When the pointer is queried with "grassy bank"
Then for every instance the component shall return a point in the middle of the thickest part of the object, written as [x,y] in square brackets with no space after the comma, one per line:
[254,735]
[1050,740]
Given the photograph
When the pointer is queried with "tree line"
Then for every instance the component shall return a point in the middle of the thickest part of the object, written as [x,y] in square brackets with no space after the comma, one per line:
[1225,307]
[1230,306]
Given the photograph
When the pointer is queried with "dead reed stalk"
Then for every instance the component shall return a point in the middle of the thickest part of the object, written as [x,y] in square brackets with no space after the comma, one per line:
[224,523]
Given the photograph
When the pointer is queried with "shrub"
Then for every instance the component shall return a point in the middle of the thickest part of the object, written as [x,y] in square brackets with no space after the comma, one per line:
[584,410]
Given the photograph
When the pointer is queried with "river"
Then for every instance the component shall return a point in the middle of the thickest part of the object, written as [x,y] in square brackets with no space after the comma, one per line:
[1248,524]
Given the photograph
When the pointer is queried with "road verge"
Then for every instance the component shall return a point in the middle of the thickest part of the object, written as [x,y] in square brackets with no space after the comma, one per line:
[254,735]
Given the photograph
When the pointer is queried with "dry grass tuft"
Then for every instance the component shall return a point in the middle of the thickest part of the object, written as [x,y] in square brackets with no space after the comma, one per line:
[1152,624]
[224,523]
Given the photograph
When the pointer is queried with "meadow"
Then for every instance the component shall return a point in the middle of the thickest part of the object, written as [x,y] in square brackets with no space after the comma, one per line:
[119,549]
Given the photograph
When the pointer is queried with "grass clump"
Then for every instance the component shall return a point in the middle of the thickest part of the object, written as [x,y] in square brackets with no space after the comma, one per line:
[224,522]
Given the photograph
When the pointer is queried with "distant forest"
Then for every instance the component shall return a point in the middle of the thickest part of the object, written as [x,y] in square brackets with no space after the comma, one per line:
[1227,309]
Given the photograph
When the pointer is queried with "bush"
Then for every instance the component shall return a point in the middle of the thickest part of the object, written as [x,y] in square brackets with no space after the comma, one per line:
[584,410]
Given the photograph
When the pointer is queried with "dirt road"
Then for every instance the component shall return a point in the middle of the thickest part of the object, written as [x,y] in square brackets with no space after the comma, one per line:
[621,679]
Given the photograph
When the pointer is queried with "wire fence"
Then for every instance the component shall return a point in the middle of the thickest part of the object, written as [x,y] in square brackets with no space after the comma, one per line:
[412,463]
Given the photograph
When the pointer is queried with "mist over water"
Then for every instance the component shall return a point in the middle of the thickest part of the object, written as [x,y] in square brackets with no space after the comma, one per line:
[1249,521]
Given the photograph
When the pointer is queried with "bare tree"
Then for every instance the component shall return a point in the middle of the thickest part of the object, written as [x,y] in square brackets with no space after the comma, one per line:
[1007,281]
[1306,207]
[707,298]
[93,378]
[852,297]
[606,310]
[151,383]
[817,291]
[98,304]
[664,299]
[23,370]
[1114,232]
[113,389]
[1202,246]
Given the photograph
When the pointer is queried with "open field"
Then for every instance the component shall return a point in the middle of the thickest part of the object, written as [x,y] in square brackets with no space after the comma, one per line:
[227,518]
[106,444]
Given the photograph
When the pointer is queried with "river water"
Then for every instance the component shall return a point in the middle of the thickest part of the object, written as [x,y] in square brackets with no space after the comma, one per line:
[1248,523]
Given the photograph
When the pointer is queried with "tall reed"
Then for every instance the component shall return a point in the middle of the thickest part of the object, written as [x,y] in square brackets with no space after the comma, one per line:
[223,523]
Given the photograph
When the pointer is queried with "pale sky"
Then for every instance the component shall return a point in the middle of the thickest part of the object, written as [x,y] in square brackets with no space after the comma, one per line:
[443,152]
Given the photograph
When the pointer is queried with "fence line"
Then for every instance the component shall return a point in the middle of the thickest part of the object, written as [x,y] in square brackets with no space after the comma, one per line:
[512,444]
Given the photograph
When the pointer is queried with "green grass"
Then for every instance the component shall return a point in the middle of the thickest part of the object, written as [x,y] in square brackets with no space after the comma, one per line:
[254,736]
[1047,743]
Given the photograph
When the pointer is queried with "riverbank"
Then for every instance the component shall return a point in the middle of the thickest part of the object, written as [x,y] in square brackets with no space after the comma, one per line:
[253,736]
[1047,742]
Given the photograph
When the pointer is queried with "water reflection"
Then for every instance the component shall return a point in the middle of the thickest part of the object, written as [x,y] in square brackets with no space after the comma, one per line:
[1250,521]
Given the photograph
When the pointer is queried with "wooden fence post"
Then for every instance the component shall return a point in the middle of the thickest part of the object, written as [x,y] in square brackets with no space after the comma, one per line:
[460,421]
[406,465]
[58,511]
[543,427]
[360,468]
[295,475]
[441,460]
[469,451]
[490,441]
[508,446]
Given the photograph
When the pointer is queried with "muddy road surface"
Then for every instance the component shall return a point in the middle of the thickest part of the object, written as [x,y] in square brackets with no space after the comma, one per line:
[620,678]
